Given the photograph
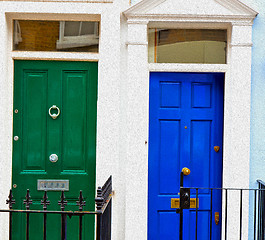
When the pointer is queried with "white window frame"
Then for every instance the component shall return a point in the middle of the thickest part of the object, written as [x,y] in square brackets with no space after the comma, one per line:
[65,42]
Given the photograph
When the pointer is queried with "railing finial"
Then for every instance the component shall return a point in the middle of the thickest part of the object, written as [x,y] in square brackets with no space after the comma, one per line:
[45,202]
[27,201]
[81,203]
[99,199]
[10,201]
[62,202]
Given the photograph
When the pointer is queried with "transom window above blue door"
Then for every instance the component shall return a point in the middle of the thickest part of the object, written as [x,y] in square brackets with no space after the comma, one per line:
[187,46]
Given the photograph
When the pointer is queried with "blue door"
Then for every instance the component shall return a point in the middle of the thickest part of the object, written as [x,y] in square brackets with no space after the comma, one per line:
[185,123]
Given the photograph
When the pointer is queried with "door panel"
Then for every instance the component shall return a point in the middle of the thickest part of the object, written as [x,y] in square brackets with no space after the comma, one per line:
[33,146]
[72,87]
[170,142]
[74,121]
[185,123]
[200,153]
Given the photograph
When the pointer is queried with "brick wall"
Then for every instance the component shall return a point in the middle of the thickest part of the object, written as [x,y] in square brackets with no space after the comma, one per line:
[38,35]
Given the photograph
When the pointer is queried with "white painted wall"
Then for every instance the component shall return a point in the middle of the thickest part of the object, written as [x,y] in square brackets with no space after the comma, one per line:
[6,126]
[123,100]
[110,142]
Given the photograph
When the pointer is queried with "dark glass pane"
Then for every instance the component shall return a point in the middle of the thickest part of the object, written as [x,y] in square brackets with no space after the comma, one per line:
[71,28]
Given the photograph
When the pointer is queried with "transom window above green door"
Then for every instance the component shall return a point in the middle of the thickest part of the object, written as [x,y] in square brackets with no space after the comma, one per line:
[187,46]
[65,36]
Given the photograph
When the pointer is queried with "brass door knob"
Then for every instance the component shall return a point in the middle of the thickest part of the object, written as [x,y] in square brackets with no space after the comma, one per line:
[216,148]
[186,171]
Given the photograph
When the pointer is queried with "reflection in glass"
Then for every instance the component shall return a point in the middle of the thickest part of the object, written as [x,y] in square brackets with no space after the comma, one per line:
[187,46]
[56,36]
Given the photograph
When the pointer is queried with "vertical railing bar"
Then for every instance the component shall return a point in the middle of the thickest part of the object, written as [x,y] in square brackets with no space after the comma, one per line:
[80,226]
[10,226]
[109,220]
[10,201]
[63,203]
[181,210]
[211,218]
[181,224]
[262,212]
[255,212]
[196,231]
[44,226]
[45,202]
[99,200]
[81,203]
[27,226]
[241,210]
[99,215]
[226,192]
[27,202]
[260,237]
[258,232]
[63,232]
[62,227]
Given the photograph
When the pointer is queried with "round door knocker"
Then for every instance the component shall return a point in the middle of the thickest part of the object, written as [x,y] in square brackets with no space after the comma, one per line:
[54,115]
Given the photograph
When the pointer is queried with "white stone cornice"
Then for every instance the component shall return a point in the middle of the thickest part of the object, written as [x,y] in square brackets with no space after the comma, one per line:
[240,22]
[233,5]
[185,10]
[137,21]
[235,20]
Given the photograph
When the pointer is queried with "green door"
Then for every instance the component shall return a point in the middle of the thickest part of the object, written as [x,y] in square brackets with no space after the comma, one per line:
[46,147]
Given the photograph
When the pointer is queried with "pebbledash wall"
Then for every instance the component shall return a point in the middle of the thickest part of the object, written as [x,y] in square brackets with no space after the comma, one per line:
[111,148]
[122,118]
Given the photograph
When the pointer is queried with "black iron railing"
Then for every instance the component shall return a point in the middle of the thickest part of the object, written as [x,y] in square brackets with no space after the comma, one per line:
[103,202]
[261,210]
[233,202]
[102,213]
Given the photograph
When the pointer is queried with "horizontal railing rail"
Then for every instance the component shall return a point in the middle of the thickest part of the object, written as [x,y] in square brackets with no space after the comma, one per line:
[103,202]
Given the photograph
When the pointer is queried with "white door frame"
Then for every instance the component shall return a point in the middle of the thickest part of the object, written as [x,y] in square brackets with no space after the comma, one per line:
[236,147]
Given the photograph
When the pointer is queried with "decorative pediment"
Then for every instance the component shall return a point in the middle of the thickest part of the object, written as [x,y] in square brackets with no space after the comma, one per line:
[232,9]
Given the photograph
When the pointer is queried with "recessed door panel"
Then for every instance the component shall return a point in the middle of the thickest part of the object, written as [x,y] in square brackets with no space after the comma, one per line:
[167,220]
[200,158]
[34,124]
[75,88]
[168,165]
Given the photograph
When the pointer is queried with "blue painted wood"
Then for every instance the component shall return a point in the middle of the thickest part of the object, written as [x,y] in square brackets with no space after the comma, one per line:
[186,122]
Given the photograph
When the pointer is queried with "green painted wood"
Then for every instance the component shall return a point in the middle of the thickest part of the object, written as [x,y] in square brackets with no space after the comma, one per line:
[72,86]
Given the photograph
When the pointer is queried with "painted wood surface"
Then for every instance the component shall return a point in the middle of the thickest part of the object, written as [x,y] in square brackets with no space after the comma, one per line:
[71,86]
[186,122]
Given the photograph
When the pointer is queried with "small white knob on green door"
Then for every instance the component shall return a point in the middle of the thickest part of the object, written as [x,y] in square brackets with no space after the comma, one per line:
[53,158]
